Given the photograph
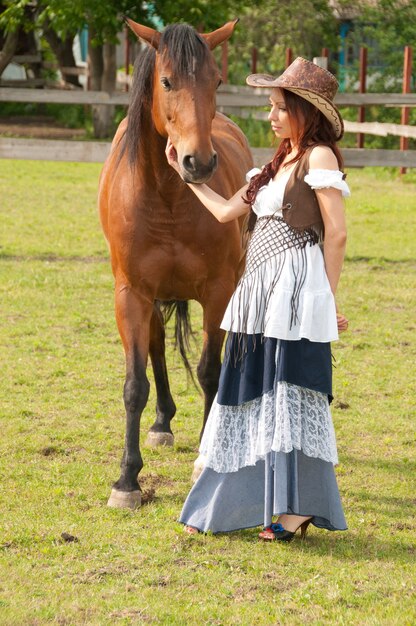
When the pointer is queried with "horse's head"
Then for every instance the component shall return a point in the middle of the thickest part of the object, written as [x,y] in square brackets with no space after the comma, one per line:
[185,81]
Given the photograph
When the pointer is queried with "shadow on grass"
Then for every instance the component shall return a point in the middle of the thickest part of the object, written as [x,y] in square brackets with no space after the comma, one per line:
[372,499]
[353,545]
[378,259]
[400,466]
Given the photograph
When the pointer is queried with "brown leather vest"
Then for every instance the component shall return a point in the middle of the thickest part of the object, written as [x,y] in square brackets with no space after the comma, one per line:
[300,205]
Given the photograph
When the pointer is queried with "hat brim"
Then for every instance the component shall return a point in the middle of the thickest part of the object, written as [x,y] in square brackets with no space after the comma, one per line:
[327,108]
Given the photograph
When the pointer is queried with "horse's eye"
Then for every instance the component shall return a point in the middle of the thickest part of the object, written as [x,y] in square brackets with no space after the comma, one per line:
[166,84]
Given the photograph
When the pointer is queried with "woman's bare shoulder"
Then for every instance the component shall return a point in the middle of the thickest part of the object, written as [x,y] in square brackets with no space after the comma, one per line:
[322,158]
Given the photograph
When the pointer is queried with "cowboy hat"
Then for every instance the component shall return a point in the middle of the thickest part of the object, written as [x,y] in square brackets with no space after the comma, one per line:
[309,81]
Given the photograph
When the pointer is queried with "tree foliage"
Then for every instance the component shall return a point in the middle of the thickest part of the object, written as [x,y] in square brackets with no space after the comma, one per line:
[106,16]
[386,28]
[305,27]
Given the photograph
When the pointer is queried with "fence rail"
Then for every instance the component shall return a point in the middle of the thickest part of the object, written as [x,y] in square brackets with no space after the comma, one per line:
[230,99]
[228,96]
[382,130]
[96,151]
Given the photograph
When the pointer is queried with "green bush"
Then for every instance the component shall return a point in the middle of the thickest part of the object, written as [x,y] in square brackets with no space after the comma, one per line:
[68,115]
[258,132]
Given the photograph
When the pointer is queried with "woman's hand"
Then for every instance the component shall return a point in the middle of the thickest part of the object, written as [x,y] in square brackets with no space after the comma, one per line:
[222,209]
[342,322]
[172,155]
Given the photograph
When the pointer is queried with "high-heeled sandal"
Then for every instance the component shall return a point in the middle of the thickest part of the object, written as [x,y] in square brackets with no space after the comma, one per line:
[276,532]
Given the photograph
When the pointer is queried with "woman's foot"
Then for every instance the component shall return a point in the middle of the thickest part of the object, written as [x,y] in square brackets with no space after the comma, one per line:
[285,528]
[190,530]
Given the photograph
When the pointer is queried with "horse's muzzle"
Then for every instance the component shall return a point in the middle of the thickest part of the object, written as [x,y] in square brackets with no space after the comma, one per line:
[194,171]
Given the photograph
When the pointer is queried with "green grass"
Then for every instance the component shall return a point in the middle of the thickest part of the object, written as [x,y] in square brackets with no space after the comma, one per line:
[62,429]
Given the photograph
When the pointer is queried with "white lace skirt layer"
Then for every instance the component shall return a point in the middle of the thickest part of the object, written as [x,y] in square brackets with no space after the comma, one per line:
[284,419]
[260,306]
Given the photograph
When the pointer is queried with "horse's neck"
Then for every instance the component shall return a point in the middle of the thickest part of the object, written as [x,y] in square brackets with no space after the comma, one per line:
[156,176]
[152,157]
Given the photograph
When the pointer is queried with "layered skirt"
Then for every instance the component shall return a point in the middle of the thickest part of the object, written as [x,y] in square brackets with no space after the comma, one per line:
[269,445]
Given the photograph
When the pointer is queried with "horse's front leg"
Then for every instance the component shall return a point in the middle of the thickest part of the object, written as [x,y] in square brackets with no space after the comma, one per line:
[133,314]
[160,433]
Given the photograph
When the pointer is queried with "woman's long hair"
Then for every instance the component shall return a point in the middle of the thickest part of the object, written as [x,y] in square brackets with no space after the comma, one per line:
[313,129]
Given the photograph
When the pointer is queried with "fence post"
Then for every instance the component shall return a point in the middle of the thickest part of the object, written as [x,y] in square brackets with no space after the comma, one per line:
[224,62]
[321,61]
[254,60]
[407,73]
[362,89]
[126,57]
[288,57]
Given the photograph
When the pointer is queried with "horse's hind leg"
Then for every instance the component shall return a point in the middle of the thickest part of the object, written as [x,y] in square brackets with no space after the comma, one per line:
[160,432]
[209,367]
[133,319]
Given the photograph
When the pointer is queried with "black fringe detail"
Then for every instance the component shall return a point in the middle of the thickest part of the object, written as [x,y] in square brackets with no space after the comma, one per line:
[271,238]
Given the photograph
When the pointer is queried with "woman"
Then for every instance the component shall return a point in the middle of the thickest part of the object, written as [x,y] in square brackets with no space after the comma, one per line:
[269,447]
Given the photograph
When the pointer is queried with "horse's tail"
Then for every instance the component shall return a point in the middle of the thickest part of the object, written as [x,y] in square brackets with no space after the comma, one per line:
[183,328]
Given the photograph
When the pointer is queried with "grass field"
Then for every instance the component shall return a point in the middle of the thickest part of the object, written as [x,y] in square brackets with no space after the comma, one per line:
[62,430]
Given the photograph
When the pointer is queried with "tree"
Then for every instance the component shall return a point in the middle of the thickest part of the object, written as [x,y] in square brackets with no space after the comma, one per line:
[388,26]
[30,16]
[16,22]
[58,22]
[384,27]
[8,49]
[204,15]
[306,27]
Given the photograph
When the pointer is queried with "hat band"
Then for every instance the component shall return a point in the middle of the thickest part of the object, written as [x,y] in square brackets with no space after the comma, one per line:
[326,108]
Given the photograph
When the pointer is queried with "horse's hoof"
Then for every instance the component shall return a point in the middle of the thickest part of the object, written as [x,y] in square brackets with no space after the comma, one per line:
[155,439]
[125,499]
[199,465]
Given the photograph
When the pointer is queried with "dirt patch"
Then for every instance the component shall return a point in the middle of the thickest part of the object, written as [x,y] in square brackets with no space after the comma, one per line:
[37,127]
[149,483]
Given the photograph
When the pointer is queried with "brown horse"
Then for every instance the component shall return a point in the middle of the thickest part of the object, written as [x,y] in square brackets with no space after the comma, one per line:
[164,246]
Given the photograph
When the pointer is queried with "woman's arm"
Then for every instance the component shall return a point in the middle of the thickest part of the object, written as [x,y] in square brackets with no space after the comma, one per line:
[332,210]
[223,210]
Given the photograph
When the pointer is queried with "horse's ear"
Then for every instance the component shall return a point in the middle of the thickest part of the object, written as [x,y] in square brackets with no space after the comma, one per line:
[220,35]
[149,35]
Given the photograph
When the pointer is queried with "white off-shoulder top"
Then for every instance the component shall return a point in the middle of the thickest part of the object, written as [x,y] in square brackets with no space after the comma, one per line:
[257,292]
[270,197]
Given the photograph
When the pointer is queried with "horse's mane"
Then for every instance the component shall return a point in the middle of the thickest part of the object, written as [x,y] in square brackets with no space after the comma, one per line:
[186,50]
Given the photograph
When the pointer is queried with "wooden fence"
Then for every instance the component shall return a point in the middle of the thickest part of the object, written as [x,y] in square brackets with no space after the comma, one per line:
[240,101]
[97,151]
